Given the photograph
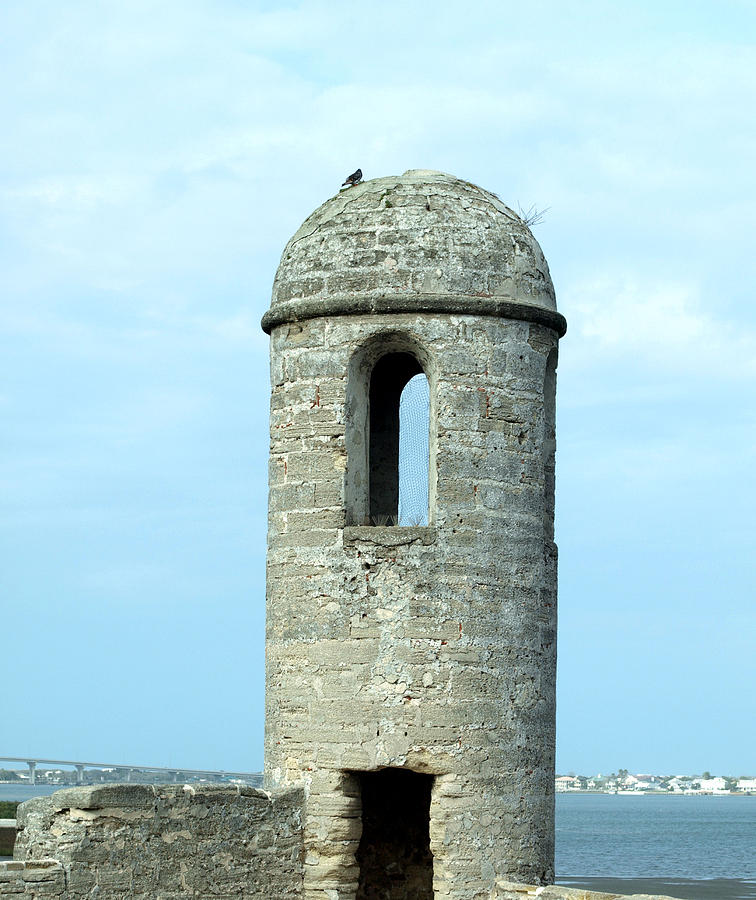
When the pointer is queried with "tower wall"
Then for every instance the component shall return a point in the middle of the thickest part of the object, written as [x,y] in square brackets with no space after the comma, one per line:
[431,649]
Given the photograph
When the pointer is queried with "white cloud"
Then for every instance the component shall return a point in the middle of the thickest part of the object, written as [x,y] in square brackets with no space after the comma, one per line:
[666,326]
[240,328]
[76,192]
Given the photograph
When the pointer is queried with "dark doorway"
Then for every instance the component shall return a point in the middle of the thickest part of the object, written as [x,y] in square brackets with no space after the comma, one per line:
[394,854]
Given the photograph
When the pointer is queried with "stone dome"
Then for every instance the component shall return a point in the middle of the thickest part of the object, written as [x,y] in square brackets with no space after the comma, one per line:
[424,241]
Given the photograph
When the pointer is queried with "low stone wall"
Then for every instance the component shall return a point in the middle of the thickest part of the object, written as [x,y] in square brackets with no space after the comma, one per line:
[158,841]
[166,842]
[506,890]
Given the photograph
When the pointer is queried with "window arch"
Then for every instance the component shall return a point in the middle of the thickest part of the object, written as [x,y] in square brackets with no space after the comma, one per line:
[388,435]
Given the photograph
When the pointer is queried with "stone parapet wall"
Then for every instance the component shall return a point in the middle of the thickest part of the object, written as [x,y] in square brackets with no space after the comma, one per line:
[169,842]
[158,841]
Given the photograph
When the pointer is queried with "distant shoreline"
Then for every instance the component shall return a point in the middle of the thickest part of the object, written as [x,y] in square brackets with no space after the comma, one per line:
[656,793]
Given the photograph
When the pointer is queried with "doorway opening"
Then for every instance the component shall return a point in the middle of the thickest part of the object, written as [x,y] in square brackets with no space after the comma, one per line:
[394,854]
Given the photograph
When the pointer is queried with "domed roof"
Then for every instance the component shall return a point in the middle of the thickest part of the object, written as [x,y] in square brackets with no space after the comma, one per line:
[422,241]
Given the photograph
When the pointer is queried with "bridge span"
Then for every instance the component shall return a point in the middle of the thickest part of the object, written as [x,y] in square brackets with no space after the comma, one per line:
[32,762]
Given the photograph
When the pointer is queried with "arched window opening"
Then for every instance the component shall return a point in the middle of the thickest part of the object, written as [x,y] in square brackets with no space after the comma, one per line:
[398,444]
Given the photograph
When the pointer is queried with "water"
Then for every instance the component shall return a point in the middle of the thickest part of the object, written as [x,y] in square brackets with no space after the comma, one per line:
[697,848]
[23,792]
[690,846]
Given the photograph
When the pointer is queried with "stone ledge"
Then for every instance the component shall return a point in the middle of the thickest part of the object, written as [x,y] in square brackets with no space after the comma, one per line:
[389,535]
[334,304]
[144,796]
[30,870]
[509,890]
[22,864]
[97,797]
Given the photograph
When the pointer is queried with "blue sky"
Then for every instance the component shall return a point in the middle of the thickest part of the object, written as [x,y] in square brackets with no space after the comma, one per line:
[156,156]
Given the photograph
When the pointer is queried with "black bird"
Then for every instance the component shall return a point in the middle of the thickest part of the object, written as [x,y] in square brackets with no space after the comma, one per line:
[354,178]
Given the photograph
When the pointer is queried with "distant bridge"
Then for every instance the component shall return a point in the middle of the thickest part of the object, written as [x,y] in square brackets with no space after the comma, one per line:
[33,762]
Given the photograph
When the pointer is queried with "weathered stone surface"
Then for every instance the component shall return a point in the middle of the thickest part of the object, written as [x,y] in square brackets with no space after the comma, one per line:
[126,796]
[430,648]
[29,880]
[421,242]
[149,841]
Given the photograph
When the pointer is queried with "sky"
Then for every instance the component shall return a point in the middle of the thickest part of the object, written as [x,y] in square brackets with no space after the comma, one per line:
[155,157]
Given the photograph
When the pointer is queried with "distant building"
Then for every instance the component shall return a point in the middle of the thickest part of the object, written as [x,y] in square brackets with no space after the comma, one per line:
[567,783]
[716,785]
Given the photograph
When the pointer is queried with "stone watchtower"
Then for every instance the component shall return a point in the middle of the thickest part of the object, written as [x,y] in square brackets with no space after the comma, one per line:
[411,662]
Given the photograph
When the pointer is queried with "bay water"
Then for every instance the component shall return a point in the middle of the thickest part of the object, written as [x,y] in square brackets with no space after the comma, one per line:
[692,846]
[21,792]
